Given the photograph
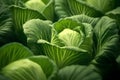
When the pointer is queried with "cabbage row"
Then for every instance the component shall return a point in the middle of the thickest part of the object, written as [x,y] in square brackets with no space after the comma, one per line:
[59,39]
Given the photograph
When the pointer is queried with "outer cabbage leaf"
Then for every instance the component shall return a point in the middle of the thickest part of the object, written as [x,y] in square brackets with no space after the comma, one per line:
[106,45]
[64,56]
[49,11]
[11,2]
[37,5]
[36,29]
[85,19]
[88,41]
[66,23]
[102,5]
[47,65]
[46,7]
[77,72]
[65,8]
[105,35]
[6,32]
[115,14]
[24,70]
[20,16]
[4,12]
[12,52]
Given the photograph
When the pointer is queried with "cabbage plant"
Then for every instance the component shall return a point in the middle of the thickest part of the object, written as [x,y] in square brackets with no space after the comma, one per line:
[66,41]
[59,39]
[21,64]
[71,41]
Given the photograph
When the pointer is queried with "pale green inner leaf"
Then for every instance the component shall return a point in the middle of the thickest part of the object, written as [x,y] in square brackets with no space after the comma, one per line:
[35,5]
[70,37]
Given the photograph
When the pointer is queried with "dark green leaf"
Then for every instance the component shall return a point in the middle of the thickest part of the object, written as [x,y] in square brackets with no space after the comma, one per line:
[65,8]
[115,14]
[6,32]
[106,45]
[20,16]
[102,5]
[106,36]
[47,65]
[12,52]
[49,10]
[84,19]
[76,72]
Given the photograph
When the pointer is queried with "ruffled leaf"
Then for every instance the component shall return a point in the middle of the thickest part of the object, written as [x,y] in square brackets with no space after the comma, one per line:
[36,29]
[106,45]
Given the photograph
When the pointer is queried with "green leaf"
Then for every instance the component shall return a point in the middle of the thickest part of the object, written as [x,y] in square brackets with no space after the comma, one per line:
[20,16]
[12,52]
[45,7]
[82,38]
[65,8]
[4,12]
[36,29]
[6,33]
[66,23]
[37,5]
[62,24]
[70,37]
[23,14]
[10,2]
[49,11]
[106,45]
[85,19]
[47,65]
[24,70]
[102,5]
[88,38]
[64,56]
[105,35]
[115,14]
[77,72]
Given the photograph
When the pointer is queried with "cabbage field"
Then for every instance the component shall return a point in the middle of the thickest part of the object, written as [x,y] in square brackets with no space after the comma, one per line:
[59,39]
